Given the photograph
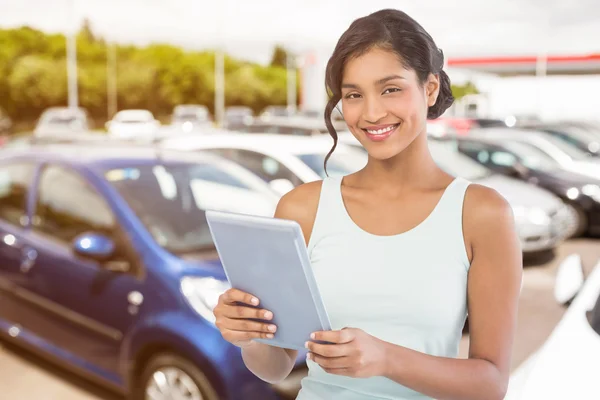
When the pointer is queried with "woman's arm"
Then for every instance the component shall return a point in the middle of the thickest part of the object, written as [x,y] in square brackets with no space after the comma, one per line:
[493,289]
[270,363]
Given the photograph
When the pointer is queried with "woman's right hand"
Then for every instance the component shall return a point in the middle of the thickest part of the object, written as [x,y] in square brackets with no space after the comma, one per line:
[234,313]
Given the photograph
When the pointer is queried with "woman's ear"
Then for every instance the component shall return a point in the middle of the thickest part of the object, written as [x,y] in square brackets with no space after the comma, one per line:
[432,89]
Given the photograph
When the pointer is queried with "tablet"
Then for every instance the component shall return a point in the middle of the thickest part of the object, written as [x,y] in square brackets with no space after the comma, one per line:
[267,257]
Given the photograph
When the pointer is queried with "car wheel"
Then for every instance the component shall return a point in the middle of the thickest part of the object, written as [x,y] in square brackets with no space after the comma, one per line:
[581,220]
[169,376]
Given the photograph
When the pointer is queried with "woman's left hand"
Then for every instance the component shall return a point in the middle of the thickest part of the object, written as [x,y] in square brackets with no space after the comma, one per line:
[353,353]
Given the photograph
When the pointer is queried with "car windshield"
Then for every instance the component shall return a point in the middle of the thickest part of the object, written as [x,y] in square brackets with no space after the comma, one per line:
[170,199]
[339,164]
[190,116]
[448,158]
[63,120]
[531,156]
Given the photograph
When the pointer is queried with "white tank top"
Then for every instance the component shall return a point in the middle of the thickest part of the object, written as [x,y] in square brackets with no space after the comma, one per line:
[409,289]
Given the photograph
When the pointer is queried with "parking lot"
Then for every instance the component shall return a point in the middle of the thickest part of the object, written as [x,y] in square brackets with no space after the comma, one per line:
[26,377]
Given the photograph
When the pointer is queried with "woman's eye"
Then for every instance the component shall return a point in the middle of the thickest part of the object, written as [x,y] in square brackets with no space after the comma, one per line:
[391,90]
[353,96]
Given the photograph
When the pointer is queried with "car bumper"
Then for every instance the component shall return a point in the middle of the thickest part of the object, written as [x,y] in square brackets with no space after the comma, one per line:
[536,237]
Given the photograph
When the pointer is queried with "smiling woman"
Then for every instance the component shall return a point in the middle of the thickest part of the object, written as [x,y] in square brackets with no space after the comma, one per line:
[401,250]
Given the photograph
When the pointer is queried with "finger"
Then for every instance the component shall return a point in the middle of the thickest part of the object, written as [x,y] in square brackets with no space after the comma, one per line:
[338,337]
[234,295]
[329,350]
[330,362]
[237,336]
[241,312]
[250,326]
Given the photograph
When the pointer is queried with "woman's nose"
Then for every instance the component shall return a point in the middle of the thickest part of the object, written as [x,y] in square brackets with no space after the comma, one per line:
[374,111]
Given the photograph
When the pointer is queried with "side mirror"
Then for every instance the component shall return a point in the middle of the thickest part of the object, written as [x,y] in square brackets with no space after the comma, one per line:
[281,186]
[94,246]
[569,279]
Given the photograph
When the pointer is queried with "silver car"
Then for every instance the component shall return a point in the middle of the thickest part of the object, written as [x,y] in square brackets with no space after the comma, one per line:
[543,221]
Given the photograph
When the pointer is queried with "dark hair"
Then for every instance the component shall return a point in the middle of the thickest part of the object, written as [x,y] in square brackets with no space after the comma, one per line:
[391,30]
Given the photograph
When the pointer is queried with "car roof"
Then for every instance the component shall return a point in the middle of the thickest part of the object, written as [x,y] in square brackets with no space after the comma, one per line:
[509,133]
[260,142]
[104,155]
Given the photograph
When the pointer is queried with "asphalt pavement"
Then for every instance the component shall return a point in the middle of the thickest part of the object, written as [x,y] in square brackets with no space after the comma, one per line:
[27,377]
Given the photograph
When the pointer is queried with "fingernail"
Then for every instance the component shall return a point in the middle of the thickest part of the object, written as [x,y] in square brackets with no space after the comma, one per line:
[268,314]
[254,301]
[312,335]
[306,345]
[270,335]
[272,328]
[308,356]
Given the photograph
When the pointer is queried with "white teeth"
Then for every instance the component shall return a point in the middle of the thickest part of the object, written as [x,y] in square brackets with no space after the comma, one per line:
[382,131]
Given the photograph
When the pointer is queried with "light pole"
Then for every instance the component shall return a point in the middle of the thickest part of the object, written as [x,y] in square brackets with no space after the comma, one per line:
[291,82]
[220,70]
[71,56]
[111,80]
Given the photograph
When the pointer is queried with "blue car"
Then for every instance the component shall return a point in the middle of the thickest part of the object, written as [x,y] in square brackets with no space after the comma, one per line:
[107,267]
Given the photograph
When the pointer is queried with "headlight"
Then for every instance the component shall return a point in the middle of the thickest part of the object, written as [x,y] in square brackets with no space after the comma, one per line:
[593,191]
[533,215]
[203,294]
[538,216]
[573,193]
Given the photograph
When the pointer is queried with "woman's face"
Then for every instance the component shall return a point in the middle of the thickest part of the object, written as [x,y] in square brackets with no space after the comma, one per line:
[383,103]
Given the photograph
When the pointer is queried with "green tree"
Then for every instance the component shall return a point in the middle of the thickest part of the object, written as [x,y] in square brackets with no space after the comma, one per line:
[279,58]
[459,91]
[35,84]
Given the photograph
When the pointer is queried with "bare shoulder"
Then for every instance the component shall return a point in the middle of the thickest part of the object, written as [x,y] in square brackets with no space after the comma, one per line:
[301,205]
[484,204]
[487,216]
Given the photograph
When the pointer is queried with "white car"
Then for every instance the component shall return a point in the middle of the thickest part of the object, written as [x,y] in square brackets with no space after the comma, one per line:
[542,219]
[564,154]
[568,363]
[62,121]
[133,123]
[283,161]
[219,184]
[190,117]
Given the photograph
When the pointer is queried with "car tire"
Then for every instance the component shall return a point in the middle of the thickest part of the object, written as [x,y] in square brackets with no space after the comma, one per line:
[185,375]
[581,221]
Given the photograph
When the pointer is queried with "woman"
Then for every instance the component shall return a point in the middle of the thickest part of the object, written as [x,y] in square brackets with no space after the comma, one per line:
[401,250]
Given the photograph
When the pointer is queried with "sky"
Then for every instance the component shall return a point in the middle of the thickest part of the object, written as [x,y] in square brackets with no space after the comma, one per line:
[250,28]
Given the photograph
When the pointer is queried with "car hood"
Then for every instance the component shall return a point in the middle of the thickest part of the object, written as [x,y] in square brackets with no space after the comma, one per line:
[215,196]
[567,365]
[521,194]
[204,263]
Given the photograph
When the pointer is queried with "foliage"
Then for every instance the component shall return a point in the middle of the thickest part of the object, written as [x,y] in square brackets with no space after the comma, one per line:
[157,77]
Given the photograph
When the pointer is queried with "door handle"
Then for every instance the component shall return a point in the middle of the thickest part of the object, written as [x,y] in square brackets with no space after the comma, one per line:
[28,259]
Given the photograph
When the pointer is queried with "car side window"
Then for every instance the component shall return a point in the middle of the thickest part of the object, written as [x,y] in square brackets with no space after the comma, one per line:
[68,206]
[503,159]
[475,151]
[267,168]
[15,182]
